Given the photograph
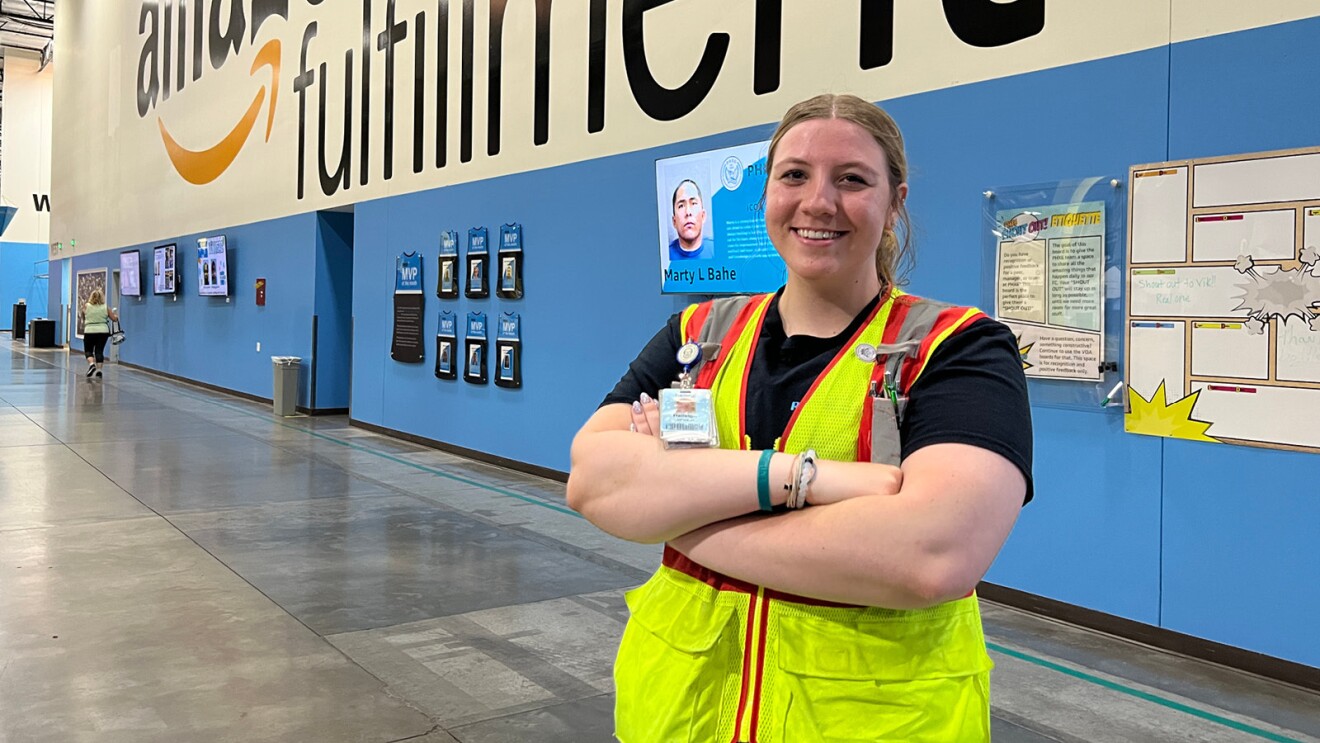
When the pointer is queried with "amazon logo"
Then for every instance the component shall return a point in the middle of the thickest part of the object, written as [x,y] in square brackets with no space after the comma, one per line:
[184,39]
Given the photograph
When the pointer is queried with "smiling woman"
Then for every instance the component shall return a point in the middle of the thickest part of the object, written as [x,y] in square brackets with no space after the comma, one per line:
[902,422]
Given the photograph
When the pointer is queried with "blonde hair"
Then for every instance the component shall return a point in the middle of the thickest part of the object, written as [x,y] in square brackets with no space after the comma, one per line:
[96,298]
[893,256]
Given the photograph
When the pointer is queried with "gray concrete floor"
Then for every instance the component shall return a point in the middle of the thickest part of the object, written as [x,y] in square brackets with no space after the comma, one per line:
[179,565]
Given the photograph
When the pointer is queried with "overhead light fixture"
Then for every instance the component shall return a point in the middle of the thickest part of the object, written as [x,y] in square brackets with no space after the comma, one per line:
[47,54]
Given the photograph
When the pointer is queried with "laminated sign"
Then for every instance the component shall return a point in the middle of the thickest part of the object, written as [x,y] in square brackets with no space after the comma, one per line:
[446,346]
[478,264]
[510,282]
[446,287]
[508,351]
[409,298]
[474,349]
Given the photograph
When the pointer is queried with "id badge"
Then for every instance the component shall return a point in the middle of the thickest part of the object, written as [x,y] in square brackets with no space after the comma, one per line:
[687,418]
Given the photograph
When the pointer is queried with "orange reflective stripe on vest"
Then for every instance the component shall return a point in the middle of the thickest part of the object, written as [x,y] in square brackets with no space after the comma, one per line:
[833,415]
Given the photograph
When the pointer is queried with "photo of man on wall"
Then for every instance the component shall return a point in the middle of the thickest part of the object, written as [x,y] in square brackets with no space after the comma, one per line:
[689,220]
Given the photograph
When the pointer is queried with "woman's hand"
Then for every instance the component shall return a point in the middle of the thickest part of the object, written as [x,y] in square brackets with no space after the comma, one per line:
[646,416]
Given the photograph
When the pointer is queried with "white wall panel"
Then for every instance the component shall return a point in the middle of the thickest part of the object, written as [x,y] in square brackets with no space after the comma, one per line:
[27,143]
[116,185]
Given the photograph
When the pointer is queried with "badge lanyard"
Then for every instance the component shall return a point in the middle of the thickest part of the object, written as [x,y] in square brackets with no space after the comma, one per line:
[687,414]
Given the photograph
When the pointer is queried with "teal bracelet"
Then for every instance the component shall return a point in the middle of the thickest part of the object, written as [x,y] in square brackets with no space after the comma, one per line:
[763,480]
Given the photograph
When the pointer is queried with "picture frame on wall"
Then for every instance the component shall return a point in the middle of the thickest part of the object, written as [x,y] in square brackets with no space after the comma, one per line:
[87,282]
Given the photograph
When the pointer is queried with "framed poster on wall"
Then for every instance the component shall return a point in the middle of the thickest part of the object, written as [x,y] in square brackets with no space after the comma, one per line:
[212,267]
[163,275]
[88,281]
[130,273]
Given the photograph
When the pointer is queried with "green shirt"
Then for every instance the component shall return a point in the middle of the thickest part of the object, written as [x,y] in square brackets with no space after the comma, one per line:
[96,319]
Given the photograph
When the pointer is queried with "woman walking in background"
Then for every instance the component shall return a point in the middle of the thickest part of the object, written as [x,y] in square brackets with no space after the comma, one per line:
[96,330]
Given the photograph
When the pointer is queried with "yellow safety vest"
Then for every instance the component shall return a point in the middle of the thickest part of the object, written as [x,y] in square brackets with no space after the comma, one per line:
[707,657]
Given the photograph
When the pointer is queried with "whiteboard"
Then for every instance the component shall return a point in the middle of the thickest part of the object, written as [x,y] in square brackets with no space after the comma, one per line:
[1261,235]
[1159,216]
[1311,228]
[1284,415]
[1226,349]
[1260,181]
[1211,291]
[1155,355]
[1240,316]
[1299,352]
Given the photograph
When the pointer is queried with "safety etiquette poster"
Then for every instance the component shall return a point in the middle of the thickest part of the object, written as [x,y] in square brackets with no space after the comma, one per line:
[1049,287]
[1223,311]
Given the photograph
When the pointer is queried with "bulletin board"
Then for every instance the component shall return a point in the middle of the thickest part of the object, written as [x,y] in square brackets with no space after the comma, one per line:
[1223,308]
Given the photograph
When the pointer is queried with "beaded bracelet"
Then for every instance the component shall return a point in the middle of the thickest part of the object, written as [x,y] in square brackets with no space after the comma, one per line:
[806,475]
[801,475]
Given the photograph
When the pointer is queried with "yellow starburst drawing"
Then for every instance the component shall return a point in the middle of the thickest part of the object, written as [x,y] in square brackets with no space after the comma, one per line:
[1023,351]
[1155,417]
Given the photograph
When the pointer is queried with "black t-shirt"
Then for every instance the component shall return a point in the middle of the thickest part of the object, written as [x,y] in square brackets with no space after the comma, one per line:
[972,391]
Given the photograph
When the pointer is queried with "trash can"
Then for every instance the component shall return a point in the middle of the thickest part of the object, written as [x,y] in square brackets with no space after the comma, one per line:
[41,333]
[19,326]
[286,384]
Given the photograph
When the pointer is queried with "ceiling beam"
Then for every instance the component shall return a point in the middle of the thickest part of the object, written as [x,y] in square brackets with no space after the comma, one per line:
[7,30]
[30,20]
[29,5]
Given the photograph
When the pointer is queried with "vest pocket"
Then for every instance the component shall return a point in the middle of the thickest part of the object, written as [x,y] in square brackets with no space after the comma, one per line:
[886,446]
[673,667]
[918,676]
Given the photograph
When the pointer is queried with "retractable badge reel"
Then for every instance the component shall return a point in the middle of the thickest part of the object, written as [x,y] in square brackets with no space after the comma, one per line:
[687,414]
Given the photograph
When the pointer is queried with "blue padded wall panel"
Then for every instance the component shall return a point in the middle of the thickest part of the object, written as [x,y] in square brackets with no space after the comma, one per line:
[18,279]
[1249,91]
[1242,547]
[1092,535]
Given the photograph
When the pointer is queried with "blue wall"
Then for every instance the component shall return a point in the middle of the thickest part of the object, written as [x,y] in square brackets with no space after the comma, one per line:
[18,279]
[1215,541]
[214,340]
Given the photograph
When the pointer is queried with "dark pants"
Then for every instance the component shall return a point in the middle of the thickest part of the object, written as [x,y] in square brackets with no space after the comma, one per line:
[94,343]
